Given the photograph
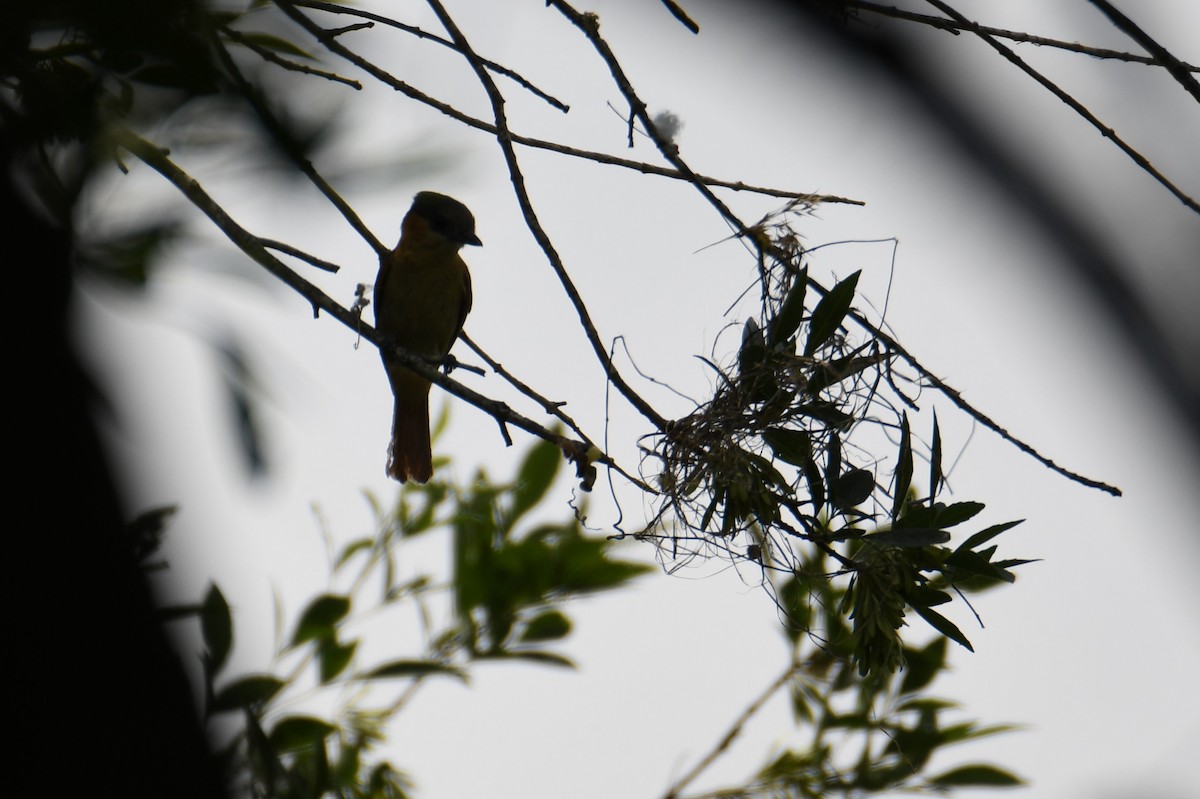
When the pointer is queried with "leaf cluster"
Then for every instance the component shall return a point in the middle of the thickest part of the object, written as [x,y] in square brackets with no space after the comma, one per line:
[785,459]
[509,586]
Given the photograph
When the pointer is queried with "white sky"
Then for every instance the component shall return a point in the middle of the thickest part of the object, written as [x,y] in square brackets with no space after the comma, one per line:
[1094,648]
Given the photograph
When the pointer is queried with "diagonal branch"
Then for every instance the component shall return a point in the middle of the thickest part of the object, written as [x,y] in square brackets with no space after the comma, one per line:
[329,40]
[579,452]
[1177,68]
[535,227]
[1075,105]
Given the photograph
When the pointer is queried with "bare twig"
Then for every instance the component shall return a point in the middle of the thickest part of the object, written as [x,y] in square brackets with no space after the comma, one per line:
[275,58]
[335,8]
[331,43]
[1075,105]
[731,734]
[535,227]
[254,247]
[1017,36]
[1179,70]
[681,15]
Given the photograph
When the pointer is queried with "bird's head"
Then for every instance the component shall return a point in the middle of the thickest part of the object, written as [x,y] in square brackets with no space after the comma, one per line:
[442,216]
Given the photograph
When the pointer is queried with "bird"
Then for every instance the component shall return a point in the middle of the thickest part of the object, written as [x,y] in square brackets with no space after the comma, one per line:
[422,297]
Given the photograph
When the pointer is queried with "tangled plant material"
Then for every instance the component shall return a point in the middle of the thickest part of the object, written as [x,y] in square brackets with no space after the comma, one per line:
[761,472]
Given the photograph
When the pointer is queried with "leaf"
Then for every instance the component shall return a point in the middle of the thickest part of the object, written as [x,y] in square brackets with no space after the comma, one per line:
[921,666]
[299,732]
[904,468]
[935,460]
[852,489]
[979,774]
[830,311]
[536,656]
[791,312]
[909,537]
[984,536]
[320,618]
[534,478]
[943,625]
[412,668]
[551,625]
[247,691]
[352,549]
[957,513]
[333,657]
[268,42]
[216,626]
[791,446]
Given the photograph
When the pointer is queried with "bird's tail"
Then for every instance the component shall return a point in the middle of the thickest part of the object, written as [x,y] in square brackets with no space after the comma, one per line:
[410,456]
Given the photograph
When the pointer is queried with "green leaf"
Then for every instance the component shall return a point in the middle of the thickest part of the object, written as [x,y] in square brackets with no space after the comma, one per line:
[830,311]
[979,774]
[551,625]
[935,460]
[352,549]
[921,666]
[216,626]
[246,692]
[534,478]
[299,732]
[320,618]
[536,656]
[852,489]
[791,312]
[412,668]
[983,536]
[943,625]
[957,513]
[904,468]
[268,42]
[909,537]
[333,657]
[792,446]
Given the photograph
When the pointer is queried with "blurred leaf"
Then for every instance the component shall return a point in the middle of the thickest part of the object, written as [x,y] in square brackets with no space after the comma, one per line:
[791,312]
[792,446]
[246,692]
[412,668]
[216,627]
[976,775]
[921,666]
[145,532]
[299,732]
[830,311]
[352,549]
[535,656]
[550,625]
[534,478]
[320,618]
[130,256]
[333,657]
[269,42]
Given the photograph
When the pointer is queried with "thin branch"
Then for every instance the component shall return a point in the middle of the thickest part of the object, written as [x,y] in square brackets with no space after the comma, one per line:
[1017,36]
[286,142]
[732,734]
[334,8]
[535,227]
[282,246]
[1078,107]
[253,246]
[291,66]
[681,15]
[331,43]
[1179,70]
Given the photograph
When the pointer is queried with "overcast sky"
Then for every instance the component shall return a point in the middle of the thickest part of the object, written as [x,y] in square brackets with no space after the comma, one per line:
[1093,649]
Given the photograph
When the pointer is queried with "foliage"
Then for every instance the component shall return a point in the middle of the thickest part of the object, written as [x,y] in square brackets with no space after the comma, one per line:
[510,583]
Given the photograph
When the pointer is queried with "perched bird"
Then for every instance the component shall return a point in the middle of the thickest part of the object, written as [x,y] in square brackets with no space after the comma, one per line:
[422,296]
